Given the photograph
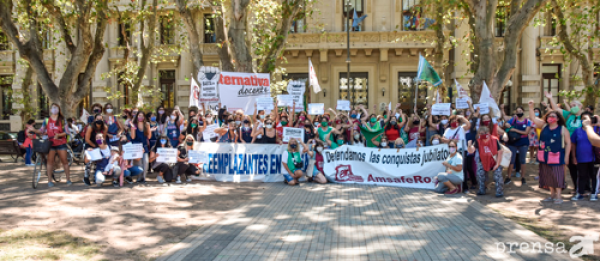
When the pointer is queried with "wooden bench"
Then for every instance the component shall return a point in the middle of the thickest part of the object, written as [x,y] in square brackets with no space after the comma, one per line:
[10,147]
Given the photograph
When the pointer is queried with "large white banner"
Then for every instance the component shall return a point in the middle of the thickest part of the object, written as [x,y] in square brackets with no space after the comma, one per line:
[240,90]
[353,164]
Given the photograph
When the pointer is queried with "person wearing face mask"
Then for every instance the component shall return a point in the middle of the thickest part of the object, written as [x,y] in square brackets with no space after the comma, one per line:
[488,154]
[55,129]
[96,109]
[533,138]
[97,127]
[161,168]
[456,131]
[449,182]
[371,129]
[393,128]
[337,141]
[357,138]
[282,123]
[266,134]
[161,118]
[153,129]
[585,159]
[172,129]
[435,140]
[518,142]
[398,143]
[193,128]
[245,132]
[443,124]
[381,141]
[291,160]
[317,175]
[183,166]
[114,126]
[415,131]
[140,134]
[324,130]
[302,118]
[555,147]
[227,133]
[309,131]
[101,164]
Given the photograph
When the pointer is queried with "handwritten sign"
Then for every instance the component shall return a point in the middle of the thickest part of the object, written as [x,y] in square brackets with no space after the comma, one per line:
[93,155]
[209,132]
[296,89]
[285,100]
[462,103]
[197,156]
[264,103]
[316,108]
[440,109]
[343,105]
[133,151]
[296,133]
[166,155]
[484,108]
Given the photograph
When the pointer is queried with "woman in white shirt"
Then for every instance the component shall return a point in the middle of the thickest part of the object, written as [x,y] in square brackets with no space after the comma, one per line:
[456,132]
[449,181]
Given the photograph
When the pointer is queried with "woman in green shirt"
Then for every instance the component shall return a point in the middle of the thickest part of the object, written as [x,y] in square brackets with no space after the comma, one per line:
[292,161]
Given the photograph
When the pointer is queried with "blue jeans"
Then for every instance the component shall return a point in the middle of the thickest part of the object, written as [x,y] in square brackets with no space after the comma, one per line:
[28,152]
[133,171]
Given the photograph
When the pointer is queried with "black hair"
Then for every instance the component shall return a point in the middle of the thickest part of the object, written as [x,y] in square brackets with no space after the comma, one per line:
[31,121]
[591,115]
[161,119]
[389,126]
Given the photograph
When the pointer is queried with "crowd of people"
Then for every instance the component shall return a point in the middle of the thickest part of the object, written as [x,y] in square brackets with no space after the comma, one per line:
[552,137]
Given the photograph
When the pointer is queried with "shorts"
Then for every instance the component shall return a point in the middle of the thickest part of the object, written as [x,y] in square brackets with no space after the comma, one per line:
[522,153]
[59,147]
[288,177]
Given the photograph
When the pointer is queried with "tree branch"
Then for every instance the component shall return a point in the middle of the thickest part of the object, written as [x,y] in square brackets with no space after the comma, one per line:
[193,36]
[56,13]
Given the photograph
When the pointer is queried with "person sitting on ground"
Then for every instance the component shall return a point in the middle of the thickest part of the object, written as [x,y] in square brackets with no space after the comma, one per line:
[449,181]
[183,166]
[317,155]
[161,168]
[101,164]
[129,169]
[292,162]
[488,155]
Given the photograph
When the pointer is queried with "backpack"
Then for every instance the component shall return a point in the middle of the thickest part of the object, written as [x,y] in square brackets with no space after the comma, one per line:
[514,137]
[21,137]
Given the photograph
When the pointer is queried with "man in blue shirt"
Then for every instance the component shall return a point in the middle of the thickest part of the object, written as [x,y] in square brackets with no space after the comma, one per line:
[584,159]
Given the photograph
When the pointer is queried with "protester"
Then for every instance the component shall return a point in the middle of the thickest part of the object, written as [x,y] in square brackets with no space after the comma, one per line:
[161,168]
[435,139]
[533,136]
[317,155]
[383,142]
[102,163]
[456,131]
[584,159]
[338,140]
[415,132]
[227,133]
[518,142]
[183,166]
[115,127]
[393,129]
[555,146]
[172,128]
[370,129]
[449,181]
[161,118]
[292,162]
[55,128]
[323,131]
[488,155]
[95,110]
[153,129]
[245,132]
[28,144]
[140,133]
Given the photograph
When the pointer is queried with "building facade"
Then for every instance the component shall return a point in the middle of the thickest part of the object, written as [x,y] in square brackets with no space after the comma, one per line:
[384,53]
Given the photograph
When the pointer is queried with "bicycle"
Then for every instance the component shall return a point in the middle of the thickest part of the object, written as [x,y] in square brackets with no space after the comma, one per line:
[40,165]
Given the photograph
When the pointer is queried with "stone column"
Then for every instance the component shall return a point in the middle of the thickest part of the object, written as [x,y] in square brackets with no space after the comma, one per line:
[16,122]
[530,70]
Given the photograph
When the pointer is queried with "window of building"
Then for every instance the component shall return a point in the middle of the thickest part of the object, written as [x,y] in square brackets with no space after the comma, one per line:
[167,30]
[167,88]
[209,29]
[299,24]
[43,102]
[550,79]
[4,44]
[46,35]
[502,15]
[355,90]
[124,28]
[406,91]
[356,5]
[6,92]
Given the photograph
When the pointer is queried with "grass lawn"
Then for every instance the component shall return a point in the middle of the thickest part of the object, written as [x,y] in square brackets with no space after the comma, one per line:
[44,245]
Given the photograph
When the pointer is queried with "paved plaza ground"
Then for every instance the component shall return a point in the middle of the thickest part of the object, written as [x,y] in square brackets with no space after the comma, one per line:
[272,221]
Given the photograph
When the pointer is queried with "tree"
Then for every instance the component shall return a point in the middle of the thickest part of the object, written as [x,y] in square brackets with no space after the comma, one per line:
[496,69]
[578,34]
[81,25]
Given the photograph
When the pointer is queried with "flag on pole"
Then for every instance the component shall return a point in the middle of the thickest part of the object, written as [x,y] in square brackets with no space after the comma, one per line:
[486,97]
[390,106]
[140,103]
[312,77]
[427,73]
[461,92]
[357,20]
[194,94]
[84,116]
[438,99]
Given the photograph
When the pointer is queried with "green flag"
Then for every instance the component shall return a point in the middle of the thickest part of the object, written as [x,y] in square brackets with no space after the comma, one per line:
[427,73]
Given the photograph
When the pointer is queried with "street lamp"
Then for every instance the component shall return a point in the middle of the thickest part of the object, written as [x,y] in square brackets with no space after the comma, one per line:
[348,6]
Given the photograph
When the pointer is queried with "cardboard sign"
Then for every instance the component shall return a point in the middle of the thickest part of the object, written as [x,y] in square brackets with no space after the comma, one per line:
[296,89]
[133,151]
[462,103]
[296,133]
[316,108]
[209,132]
[166,155]
[195,156]
[285,100]
[93,155]
[264,103]
[343,105]
[483,108]
[441,109]
[209,78]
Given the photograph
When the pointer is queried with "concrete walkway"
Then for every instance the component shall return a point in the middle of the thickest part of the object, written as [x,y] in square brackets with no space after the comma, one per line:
[351,222]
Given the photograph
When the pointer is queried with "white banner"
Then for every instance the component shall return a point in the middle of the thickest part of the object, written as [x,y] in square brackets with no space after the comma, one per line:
[343,105]
[240,90]
[195,156]
[296,133]
[265,103]
[483,108]
[133,151]
[353,164]
[440,109]
[208,77]
[296,89]
[316,108]
[462,103]
[166,155]
[209,132]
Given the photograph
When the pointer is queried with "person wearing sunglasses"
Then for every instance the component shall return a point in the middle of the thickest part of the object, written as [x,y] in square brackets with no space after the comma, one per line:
[449,182]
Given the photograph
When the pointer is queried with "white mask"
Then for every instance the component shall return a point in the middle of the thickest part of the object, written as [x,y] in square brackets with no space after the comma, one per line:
[259,136]
[109,110]
[383,144]
[452,150]
[173,117]
[435,142]
[320,149]
[238,122]
[357,136]
[261,116]
[444,122]
[54,110]
[269,126]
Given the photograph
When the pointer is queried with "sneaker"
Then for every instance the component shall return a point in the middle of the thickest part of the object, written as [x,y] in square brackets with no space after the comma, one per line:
[518,175]
[577,197]
[594,197]
[160,179]
[178,180]
[86,181]
[452,192]
[129,180]
[189,180]
[115,184]
[98,185]
[50,184]
[30,165]
[141,181]
[69,183]
[499,195]
[481,193]
[558,201]
[523,182]
[507,181]
[548,199]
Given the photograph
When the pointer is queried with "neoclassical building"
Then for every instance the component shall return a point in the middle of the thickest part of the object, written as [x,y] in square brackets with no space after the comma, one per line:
[384,53]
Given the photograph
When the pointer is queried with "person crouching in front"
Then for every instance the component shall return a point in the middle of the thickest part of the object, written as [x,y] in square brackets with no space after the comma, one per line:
[292,162]
[449,181]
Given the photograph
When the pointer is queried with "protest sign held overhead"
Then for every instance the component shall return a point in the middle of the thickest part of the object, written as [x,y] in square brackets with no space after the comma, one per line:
[240,90]
[296,133]
[316,108]
[265,103]
[343,105]
[296,89]
[441,109]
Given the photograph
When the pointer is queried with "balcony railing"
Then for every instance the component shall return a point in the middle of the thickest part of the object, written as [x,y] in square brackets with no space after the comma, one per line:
[337,40]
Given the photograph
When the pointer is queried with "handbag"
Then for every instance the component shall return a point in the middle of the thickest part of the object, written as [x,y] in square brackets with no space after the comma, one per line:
[41,145]
[311,168]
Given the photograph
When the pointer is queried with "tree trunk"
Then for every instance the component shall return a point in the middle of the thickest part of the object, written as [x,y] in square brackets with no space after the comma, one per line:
[146,48]
[192,34]
[221,35]
[235,13]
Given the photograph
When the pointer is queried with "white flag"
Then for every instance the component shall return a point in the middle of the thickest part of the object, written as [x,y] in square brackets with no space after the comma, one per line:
[438,99]
[486,97]
[84,116]
[194,94]
[390,106]
[140,103]
[312,77]
[461,92]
